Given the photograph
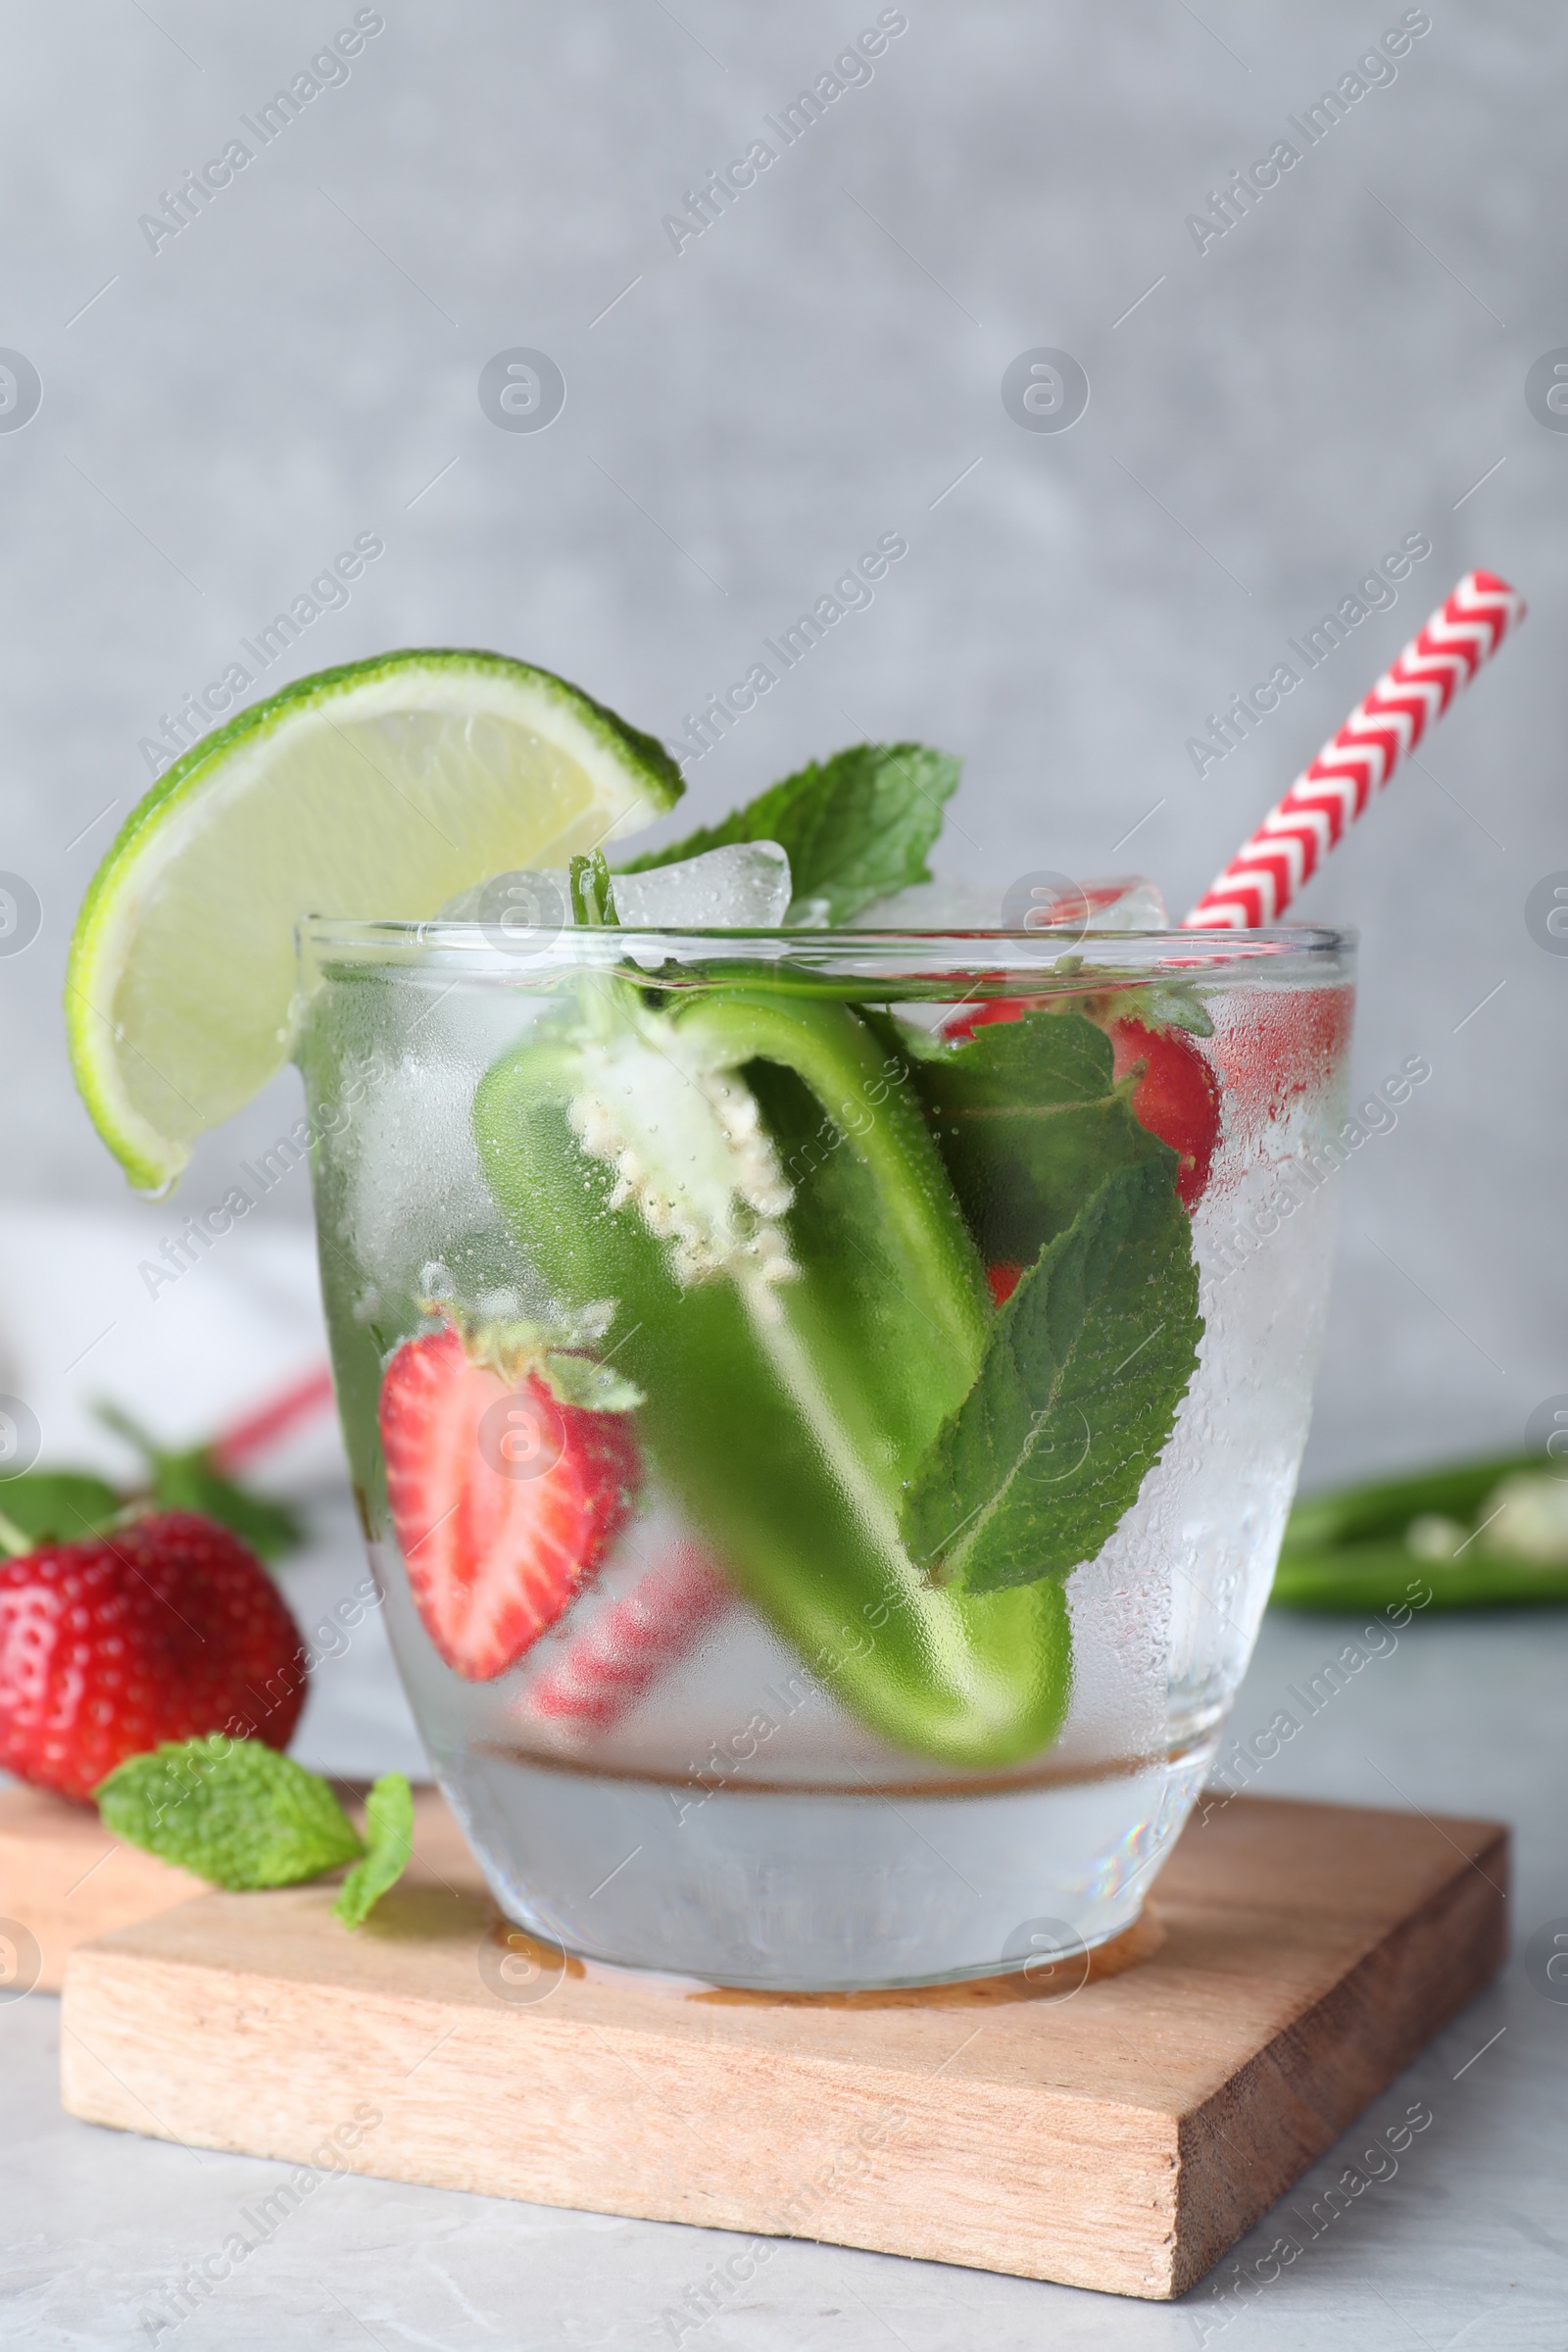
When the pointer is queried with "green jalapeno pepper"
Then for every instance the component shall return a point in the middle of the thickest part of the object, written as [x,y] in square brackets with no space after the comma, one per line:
[749,1179]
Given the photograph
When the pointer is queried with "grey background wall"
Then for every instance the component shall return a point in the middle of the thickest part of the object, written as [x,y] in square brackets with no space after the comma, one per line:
[1345,366]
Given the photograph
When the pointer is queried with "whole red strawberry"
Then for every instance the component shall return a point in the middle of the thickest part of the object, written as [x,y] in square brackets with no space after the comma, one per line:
[505,1499]
[167,1629]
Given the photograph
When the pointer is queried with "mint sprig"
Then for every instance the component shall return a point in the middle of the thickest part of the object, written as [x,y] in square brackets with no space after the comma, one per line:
[389,1835]
[857,827]
[233,1811]
[1087,1365]
[241,1815]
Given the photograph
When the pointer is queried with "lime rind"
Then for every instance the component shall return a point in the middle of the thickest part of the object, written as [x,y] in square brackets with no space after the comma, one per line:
[177,995]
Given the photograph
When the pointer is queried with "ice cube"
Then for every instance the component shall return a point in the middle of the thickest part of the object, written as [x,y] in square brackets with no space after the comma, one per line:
[413,1171]
[744,887]
[1037,903]
[1129,903]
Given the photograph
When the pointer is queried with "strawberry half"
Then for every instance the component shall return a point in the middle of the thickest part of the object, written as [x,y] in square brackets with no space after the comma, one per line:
[1177,1098]
[504,1500]
[167,1629]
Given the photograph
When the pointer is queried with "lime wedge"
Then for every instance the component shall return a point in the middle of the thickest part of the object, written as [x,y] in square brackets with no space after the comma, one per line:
[381,789]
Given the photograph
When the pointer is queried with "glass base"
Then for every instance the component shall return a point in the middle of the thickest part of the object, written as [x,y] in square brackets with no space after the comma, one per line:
[805,1889]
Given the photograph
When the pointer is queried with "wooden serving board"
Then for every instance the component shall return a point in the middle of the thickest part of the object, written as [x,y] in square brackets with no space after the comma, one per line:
[63,1879]
[1123,2138]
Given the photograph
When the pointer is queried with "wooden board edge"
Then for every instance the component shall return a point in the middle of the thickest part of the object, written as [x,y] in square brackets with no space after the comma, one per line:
[149,2013]
[1341,2055]
[126,2035]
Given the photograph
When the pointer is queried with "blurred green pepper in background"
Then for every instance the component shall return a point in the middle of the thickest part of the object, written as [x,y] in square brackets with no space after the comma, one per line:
[1491,1533]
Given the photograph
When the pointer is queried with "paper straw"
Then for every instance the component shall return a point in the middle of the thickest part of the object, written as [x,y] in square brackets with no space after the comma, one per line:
[1324,802]
[608,1667]
[300,1402]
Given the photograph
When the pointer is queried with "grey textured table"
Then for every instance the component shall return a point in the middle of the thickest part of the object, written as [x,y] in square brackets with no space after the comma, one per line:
[1466,2243]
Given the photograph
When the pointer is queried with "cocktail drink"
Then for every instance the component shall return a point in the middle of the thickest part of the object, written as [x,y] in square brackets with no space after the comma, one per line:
[823,1405]
[824,1377]
[823,1401]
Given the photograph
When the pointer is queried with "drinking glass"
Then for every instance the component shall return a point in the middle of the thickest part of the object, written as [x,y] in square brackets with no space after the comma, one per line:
[933,1318]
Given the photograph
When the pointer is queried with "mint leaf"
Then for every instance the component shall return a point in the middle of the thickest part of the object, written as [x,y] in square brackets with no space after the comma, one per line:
[857,827]
[233,1811]
[1078,1392]
[389,1837]
[1029,1121]
[58,1506]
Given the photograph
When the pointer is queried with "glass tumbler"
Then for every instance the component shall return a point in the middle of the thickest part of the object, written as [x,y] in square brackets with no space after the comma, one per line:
[824,1407]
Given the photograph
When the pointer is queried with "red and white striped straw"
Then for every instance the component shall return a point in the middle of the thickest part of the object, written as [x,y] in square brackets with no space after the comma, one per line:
[230,1450]
[608,1667]
[1324,802]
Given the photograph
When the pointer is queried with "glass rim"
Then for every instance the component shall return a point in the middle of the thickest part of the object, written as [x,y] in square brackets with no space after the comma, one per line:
[441,943]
